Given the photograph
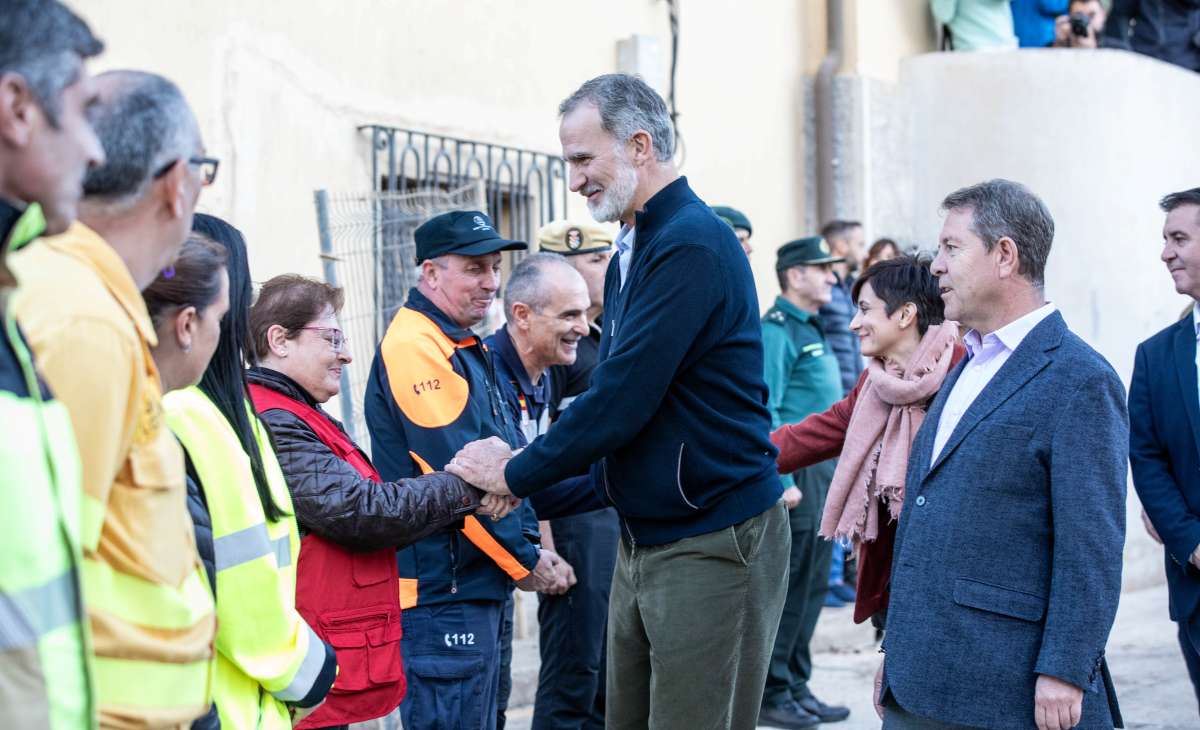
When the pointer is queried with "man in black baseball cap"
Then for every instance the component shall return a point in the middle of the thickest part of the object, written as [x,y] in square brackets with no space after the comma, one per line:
[459,256]
[463,233]
[432,389]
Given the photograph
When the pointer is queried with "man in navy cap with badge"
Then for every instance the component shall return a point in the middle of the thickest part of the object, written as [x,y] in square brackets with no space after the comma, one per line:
[802,378]
[432,389]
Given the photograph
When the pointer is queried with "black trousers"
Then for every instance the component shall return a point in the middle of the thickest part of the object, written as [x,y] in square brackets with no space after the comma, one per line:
[572,626]
[808,582]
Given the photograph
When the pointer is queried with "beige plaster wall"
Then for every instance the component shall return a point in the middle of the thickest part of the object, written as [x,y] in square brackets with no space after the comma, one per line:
[280,88]
[882,33]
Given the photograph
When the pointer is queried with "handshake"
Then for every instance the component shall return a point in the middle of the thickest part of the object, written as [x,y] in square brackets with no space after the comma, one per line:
[481,463]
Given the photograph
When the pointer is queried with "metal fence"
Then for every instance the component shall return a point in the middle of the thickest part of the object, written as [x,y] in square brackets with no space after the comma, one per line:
[367,249]
[367,242]
[523,189]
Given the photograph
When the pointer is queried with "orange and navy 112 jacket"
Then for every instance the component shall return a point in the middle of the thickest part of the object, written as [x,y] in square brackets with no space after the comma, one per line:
[432,390]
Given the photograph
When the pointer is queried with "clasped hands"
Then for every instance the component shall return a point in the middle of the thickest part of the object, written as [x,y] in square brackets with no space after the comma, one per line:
[481,463]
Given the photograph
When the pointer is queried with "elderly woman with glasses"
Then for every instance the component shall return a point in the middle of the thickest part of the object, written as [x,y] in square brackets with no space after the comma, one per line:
[352,520]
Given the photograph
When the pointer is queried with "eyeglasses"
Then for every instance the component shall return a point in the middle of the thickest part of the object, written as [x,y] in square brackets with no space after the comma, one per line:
[208,168]
[334,336]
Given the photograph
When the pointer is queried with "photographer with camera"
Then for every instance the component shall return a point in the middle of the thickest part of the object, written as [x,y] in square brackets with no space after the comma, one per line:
[1081,26]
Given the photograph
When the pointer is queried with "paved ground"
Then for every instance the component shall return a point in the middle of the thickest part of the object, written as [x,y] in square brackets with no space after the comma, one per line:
[1151,680]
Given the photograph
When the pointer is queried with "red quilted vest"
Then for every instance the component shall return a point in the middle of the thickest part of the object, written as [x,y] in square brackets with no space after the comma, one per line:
[351,599]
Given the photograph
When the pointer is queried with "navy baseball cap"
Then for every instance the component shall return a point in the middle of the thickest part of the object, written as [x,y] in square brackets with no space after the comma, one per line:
[462,232]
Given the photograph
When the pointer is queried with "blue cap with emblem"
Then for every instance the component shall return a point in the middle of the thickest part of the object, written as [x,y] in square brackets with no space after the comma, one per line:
[461,232]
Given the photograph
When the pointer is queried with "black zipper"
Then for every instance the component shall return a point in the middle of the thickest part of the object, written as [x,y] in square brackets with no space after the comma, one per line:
[492,387]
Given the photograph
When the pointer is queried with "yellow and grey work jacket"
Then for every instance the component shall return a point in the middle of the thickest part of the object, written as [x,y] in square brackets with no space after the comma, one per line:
[267,656]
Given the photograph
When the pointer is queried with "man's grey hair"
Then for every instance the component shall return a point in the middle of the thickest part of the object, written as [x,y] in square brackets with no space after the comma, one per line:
[144,125]
[627,104]
[44,43]
[526,283]
[1003,208]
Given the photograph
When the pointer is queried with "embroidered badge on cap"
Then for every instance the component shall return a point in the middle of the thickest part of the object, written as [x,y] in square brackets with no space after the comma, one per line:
[574,238]
[480,224]
[824,247]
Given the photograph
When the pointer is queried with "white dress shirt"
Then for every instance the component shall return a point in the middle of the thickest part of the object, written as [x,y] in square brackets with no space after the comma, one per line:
[1196,324]
[987,355]
[626,239]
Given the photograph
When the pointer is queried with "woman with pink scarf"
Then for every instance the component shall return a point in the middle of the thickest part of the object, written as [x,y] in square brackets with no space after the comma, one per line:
[910,349]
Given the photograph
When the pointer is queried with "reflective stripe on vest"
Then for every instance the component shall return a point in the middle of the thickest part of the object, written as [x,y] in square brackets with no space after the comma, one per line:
[310,668]
[267,654]
[249,544]
[29,614]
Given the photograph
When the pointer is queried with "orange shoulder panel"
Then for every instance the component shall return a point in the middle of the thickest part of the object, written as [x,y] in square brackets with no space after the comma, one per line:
[424,385]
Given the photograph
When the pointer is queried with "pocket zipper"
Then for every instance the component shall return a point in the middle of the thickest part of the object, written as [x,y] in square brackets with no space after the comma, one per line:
[679,478]
[344,620]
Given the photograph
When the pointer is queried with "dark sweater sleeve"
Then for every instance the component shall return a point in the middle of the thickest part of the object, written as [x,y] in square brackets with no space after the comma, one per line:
[334,501]
[662,319]
[818,437]
[569,497]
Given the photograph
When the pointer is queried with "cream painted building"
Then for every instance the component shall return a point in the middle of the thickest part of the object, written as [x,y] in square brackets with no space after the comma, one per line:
[281,90]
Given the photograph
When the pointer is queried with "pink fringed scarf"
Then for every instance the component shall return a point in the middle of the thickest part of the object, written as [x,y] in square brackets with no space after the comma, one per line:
[886,418]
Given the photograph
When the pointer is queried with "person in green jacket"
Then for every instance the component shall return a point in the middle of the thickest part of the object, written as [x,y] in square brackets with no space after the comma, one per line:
[802,378]
[46,145]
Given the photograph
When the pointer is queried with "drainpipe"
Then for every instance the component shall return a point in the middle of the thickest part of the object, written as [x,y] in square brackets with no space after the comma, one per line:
[835,23]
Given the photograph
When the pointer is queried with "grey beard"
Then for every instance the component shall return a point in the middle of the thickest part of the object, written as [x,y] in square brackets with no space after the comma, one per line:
[617,198]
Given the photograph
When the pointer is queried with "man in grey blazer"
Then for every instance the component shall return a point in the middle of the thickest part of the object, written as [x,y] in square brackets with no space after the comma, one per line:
[1007,566]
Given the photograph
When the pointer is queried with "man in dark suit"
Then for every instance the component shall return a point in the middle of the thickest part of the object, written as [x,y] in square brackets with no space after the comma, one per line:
[1007,566]
[1164,429]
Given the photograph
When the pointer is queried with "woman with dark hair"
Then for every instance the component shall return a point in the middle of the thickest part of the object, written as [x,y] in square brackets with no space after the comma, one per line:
[884,249]
[186,303]
[354,519]
[270,663]
[901,325]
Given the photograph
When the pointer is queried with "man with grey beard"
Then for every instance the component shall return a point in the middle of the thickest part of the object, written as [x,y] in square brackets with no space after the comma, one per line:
[674,428]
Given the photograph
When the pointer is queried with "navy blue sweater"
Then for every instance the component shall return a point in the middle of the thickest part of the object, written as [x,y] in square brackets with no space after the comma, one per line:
[675,424]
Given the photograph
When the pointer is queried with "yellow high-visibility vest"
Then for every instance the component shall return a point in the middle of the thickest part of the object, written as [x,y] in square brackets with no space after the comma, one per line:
[45,672]
[267,656]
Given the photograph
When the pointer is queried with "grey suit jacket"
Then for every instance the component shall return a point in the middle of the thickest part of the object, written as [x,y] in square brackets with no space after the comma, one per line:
[1007,562]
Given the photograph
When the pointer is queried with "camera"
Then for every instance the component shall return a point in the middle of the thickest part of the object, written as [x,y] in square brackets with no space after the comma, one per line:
[1079,24]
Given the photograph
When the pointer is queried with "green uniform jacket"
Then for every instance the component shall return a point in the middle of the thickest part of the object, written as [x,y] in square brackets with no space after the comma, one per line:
[800,368]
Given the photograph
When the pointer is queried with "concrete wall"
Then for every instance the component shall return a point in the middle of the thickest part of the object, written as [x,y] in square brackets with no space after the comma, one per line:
[1100,137]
